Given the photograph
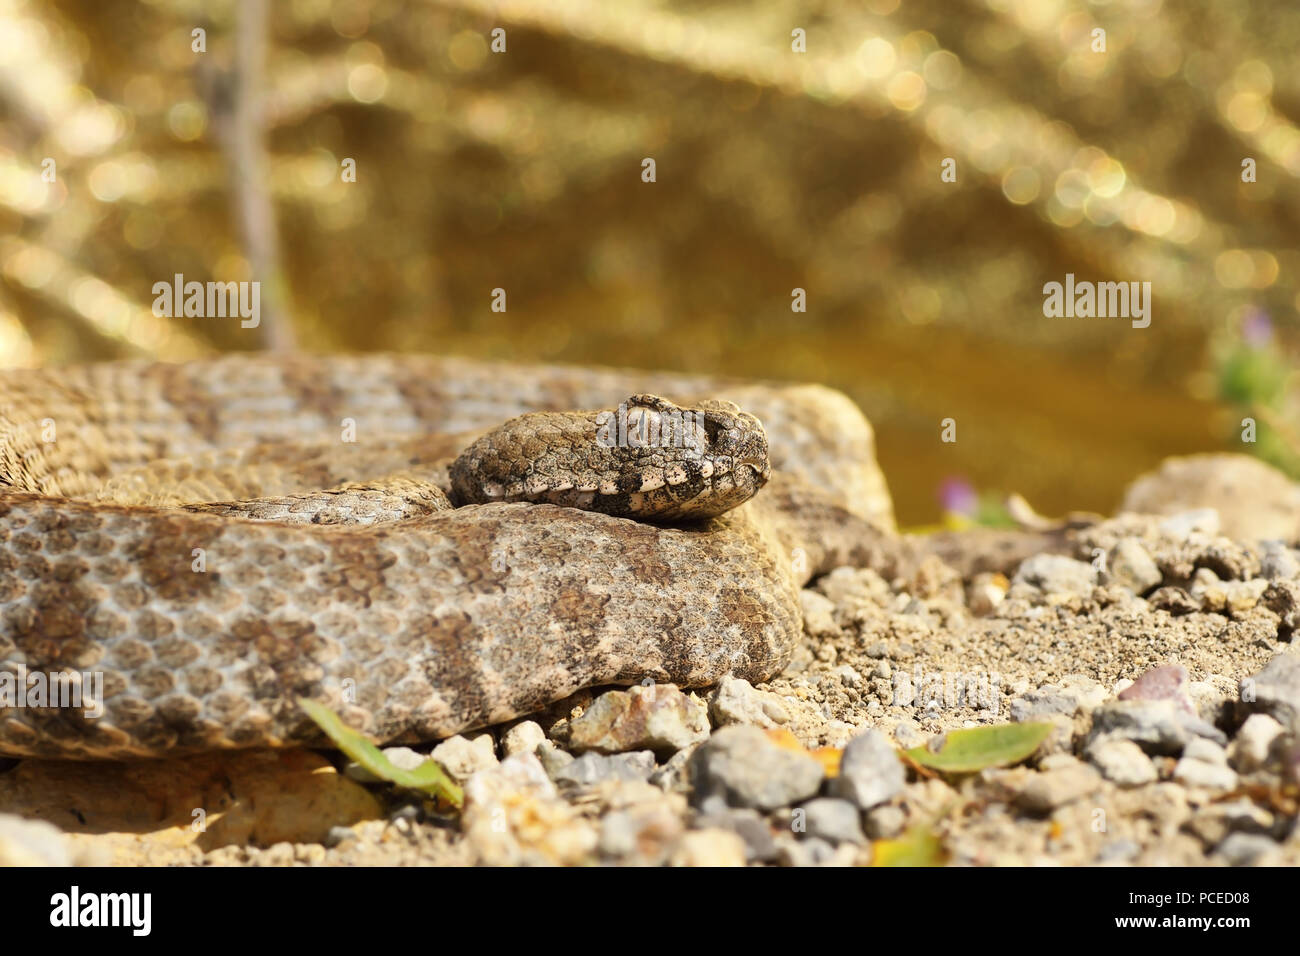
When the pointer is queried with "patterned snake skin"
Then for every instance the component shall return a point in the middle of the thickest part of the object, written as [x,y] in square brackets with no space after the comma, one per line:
[213,540]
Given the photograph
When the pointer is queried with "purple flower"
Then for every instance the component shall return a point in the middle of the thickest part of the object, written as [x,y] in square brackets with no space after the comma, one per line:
[1257,329]
[957,496]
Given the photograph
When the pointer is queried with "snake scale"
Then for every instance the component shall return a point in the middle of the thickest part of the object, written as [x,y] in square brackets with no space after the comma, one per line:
[386,535]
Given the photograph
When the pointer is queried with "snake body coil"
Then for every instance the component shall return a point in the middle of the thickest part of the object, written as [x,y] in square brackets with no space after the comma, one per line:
[197,546]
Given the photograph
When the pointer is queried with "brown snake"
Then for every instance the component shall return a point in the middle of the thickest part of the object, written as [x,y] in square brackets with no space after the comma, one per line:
[216,539]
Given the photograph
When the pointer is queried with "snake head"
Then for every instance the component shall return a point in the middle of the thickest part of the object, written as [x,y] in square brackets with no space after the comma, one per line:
[682,462]
[647,459]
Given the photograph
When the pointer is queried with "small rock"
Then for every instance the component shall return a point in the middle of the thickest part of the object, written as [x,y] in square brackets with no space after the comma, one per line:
[1198,748]
[1073,694]
[1162,683]
[908,734]
[1058,577]
[1254,740]
[552,758]
[1200,773]
[813,851]
[737,702]
[1184,524]
[818,614]
[1118,851]
[26,842]
[1157,726]
[1253,500]
[885,822]
[339,835]
[747,824]
[1233,598]
[854,589]
[1065,781]
[513,816]
[1175,601]
[1278,562]
[592,769]
[743,765]
[831,819]
[1215,821]
[644,834]
[1132,567]
[523,738]
[462,757]
[674,775]
[1283,599]
[986,591]
[870,771]
[1276,691]
[1247,849]
[709,848]
[657,717]
[1123,763]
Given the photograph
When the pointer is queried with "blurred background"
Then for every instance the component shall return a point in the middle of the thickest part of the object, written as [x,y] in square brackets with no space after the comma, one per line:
[127,156]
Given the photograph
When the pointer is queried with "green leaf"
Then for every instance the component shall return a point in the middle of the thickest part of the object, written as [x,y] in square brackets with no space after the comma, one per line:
[919,846]
[428,778]
[967,751]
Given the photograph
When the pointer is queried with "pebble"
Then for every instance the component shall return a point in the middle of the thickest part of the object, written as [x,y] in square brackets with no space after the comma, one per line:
[1247,849]
[1278,562]
[1132,567]
[870,771]
[1123,763]
[1283,599]
[1191,772]
[1065,780]
[1118,851]
[1250,748]
[657,717]
[748,769]
[552,758]
[462,757]
[674,774]
[26,842]
[513,816]
[854,589]
[885,822]
[592,769]
[1233,598]
[1057,576]
[1073,694]
[749,825]
[832,819]
[813,851]
[338,835]
[986,591]
[1161,683]
[1184,524]
[818,614]
[1213,822]
[709,848]
[1198,748]
[1275,690]
[1253,500]
[908,734]
[523,738]
[737,702]
[1157,726]
[645,835]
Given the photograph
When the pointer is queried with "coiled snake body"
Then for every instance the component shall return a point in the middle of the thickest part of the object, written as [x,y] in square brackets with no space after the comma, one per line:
[217,539]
